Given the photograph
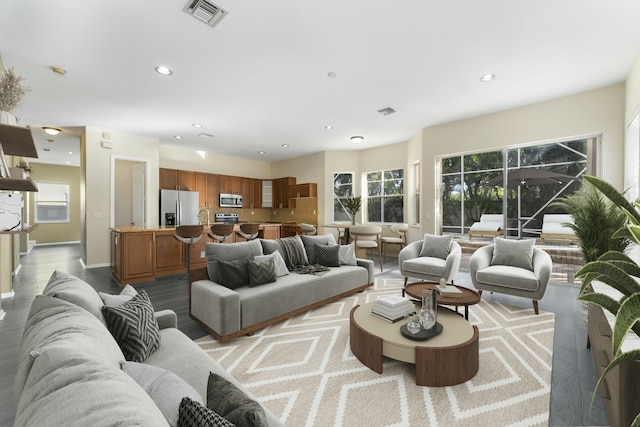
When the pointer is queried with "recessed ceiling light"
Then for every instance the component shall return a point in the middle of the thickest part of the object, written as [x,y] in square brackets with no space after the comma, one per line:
[328,127]
[165,71]
[177,136]
[206,135]
[70,152]
[196,125]
[357,139]
[285,145]
[262,152]
[51,131]
[67,162]
[487,77]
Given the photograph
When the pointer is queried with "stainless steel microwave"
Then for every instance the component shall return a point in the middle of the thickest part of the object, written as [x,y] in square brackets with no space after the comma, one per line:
[230,200]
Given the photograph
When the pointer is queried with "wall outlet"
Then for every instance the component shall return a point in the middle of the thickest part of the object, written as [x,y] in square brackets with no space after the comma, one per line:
[201,254]
[314,211]
[291,212]
[252,212]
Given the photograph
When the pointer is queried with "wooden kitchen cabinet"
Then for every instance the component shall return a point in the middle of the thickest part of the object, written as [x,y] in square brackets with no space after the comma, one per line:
[299,191]
[186,181]
[173,179]
[168,179]
[230,184]
[169,255]
[270,232]
[251,193]
[213,190]
[281,191]
[202,184]
[134,255]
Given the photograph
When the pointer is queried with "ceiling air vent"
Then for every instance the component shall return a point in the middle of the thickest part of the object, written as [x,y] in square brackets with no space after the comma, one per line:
[387,111]
[205,11]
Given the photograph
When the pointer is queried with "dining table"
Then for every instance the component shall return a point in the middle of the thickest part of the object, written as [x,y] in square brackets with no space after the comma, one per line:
[341,227]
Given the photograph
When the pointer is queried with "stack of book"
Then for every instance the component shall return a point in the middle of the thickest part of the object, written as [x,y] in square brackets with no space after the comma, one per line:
[450,291]
[392,308]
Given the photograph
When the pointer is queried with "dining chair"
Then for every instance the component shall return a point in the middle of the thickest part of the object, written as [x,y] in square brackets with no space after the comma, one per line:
[307,229]
[221,232]
[367,237]
[399,237]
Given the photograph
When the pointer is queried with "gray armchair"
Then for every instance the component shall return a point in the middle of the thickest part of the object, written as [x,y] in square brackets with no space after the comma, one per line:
[428,268]
[508,279]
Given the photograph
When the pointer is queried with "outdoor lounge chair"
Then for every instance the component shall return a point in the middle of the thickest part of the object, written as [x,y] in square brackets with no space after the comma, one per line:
[553,228]
[490,225]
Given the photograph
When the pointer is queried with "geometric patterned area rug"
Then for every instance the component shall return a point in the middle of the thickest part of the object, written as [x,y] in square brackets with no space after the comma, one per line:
[303,370]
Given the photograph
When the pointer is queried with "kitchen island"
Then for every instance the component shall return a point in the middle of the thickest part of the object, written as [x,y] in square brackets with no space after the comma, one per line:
[140,254]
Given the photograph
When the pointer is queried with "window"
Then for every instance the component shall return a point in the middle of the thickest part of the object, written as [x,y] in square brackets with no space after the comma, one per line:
[52,203]
[342,189]
[385,196]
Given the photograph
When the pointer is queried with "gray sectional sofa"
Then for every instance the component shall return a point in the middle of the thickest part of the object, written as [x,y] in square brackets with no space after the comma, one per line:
[69,369]
[230,313]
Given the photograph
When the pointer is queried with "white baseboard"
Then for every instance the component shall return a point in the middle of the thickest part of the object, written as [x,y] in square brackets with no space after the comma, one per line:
[106,264]
[7,295]
[57,243]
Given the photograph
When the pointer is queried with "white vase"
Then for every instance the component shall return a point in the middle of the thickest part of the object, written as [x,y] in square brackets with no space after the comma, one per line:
[6,118]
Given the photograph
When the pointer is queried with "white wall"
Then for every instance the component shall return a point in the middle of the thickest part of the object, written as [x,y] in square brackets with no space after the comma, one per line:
[599,111]
[187,159]
[97,167]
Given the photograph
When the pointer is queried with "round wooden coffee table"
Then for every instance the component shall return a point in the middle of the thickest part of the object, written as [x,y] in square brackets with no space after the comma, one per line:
[446,359]
[469,297]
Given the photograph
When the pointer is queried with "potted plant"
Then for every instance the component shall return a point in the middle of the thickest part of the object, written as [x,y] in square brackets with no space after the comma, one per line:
[352,206]
[617,270]
[11,94]
[596,219]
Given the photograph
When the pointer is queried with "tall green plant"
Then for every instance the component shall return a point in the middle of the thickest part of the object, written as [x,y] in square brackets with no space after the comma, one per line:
[596,219]
[617,270]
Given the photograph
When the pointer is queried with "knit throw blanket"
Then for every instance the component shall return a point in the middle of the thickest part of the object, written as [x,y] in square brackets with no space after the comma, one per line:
[293,251]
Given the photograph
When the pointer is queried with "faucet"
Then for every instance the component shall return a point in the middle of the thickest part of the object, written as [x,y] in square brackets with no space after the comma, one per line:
[208,216]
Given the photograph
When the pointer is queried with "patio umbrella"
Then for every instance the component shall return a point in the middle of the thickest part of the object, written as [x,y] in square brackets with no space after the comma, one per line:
[530,176]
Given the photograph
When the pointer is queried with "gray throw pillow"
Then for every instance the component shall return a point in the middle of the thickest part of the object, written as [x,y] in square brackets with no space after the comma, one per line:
[134,327]
[125,295]
[165,388]
[514,253]
[436,246]
[310,243]
[233,274]
[261,272]
[278,261]
[329,256]
[193,414]
[226,399]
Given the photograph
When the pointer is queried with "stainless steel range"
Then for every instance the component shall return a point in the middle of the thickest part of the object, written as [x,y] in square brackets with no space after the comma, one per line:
[228,218]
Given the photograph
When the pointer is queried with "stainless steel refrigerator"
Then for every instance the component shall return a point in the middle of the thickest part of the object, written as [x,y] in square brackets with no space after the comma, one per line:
[178,208]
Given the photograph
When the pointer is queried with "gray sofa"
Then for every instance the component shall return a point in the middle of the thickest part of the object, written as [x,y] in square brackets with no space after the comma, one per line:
[230,313]
[69,368]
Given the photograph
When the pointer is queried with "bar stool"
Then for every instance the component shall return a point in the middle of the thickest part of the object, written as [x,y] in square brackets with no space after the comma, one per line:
[221,232]
[248,231]
[188,234]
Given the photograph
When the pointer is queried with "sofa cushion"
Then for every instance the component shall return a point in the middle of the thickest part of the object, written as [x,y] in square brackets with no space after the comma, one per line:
[165,388]
[74,290]
[310,243]
[347,255]
[233,274]
[431,266]
[261,272]
[514,253]
[279,264]
[70,388]
[134,327]
[231,402]
[229,252]
[508,277]
[55,323]
[125,295]
[328,255]
[436,246]
[194,414]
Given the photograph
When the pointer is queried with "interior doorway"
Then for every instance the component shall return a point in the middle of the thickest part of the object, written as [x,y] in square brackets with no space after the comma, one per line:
[129,189]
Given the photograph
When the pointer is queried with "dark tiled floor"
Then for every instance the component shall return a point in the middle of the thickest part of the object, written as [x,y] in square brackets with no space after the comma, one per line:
[573,373]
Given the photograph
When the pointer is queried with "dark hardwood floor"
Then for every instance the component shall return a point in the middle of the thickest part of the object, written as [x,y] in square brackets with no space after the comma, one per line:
[573,374]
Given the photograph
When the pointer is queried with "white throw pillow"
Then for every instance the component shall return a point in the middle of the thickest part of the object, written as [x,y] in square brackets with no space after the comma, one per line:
[514,253]
[347,255]
[125,295]
[436,246]
[278,261]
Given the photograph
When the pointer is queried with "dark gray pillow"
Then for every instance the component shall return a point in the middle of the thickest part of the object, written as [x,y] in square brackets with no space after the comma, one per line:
[261,272]
[436,246]
[310,243]
[134,327]
[328,256]
[193,414]
[233,274]
[226,399]
[514,253]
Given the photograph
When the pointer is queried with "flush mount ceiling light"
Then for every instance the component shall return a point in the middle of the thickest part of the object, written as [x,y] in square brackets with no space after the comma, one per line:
[357,139]
[165,71]
[51,131]
[332,74]
[196,125]
[59,70]
[206,135]
[487,77]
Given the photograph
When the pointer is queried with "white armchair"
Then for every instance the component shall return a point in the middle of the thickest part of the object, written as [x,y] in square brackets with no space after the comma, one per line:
[429,268]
